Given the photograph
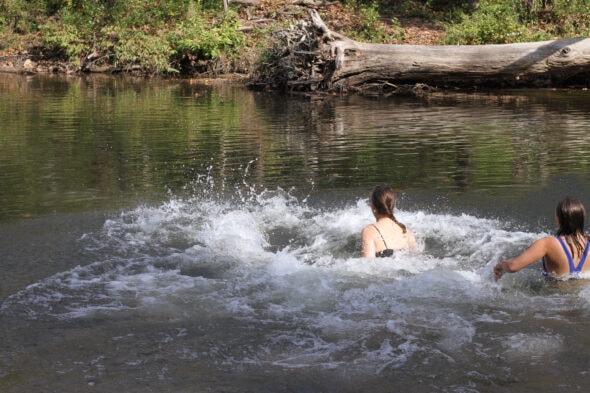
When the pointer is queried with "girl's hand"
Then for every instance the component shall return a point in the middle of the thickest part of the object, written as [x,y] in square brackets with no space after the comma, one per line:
[499,270]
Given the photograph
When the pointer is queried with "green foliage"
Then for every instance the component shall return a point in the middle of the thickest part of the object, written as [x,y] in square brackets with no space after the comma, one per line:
[65,38]
[506,21]
[139,13]
[71,29]
[371,27]
[197,37]
[572,17]
[143,48]
[493,22]
[21,16]
[429,9]
[139,33]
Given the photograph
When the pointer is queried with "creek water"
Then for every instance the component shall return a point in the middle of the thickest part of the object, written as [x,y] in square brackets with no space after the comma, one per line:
[178,236]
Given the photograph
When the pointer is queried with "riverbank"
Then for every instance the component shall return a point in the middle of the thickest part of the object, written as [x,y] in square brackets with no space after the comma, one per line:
[256,22]
[247,39]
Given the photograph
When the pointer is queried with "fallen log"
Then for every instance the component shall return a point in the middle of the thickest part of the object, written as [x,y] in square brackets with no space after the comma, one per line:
[311,57]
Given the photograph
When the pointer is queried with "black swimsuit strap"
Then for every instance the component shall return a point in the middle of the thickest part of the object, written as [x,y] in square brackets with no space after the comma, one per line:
[382,238]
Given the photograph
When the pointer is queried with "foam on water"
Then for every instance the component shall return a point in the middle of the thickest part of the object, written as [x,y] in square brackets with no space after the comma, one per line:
[294,271]
[527,346]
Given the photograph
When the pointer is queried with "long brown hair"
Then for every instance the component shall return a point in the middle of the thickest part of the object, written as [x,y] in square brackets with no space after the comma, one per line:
[383,201]
[571,214]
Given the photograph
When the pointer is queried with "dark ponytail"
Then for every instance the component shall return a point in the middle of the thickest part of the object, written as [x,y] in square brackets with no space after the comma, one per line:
[383,201]
[571,214]
[402,226]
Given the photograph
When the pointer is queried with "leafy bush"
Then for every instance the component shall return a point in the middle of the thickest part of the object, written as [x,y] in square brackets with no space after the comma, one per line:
[64,38]
[144,48]
[132,33]
[493,22]
[370,26]
[21,16]
[506,21]
[572,17]
[196,37]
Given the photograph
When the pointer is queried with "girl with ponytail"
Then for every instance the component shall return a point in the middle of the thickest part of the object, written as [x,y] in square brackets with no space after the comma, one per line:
[387,234]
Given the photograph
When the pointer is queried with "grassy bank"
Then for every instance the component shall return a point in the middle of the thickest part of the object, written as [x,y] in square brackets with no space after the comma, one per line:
[171,37]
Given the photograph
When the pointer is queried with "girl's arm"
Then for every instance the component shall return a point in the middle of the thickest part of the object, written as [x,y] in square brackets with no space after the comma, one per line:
[536,251]
[368,245]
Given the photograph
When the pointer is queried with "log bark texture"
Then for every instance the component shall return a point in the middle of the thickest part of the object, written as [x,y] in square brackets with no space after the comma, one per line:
[314,58]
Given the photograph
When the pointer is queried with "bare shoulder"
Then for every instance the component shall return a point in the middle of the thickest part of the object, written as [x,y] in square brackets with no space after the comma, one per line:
[549,241]
[369,230]
[545,244]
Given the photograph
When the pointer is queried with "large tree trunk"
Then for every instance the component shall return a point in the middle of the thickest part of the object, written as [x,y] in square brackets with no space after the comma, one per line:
[311,57]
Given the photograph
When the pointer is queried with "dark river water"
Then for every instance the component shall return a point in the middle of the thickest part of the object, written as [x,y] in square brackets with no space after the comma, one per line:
[183,236]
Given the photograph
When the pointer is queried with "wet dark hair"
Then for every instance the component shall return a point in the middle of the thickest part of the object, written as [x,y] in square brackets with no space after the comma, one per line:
[383,201]
[571,214]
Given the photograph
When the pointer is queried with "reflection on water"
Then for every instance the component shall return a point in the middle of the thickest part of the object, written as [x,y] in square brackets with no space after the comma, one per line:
[170,236]
[96,141]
